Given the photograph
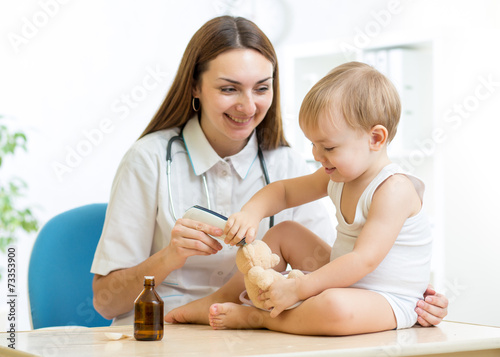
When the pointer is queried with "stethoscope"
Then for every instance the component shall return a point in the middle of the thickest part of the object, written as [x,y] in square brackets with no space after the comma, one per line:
[203,176]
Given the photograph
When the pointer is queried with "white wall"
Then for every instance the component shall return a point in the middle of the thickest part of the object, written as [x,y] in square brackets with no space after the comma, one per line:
[70,69]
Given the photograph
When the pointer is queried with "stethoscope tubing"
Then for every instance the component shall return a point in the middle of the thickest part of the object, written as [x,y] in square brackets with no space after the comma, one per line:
[203,176]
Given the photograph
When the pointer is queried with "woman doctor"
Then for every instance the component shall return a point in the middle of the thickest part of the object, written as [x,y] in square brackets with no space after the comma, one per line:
[216,139]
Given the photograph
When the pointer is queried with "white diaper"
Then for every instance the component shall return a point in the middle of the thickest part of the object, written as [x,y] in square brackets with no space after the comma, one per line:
[403,307]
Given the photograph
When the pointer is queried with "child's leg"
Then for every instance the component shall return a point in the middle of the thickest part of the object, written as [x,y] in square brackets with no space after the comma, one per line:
[197,311]
[298,246]
[294,244]
[334,312]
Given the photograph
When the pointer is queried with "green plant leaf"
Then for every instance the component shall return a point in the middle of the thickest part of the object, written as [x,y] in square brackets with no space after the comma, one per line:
[13,218]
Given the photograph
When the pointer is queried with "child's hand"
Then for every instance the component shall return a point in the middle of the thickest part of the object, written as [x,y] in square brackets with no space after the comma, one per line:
[281,295]
[241,225]
[433,309]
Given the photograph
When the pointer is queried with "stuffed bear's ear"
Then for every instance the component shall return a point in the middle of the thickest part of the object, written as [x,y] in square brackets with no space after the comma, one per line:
[275,259]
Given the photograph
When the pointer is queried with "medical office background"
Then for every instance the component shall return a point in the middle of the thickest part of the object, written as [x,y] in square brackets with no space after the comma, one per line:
[83,78]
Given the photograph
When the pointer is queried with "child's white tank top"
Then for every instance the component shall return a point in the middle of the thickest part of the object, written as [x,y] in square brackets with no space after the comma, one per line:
[406,268]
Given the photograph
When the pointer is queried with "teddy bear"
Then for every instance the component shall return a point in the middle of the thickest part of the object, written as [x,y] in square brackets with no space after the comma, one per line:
[255,261]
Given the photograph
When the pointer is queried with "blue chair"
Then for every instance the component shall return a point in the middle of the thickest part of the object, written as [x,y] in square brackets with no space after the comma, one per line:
[59,278]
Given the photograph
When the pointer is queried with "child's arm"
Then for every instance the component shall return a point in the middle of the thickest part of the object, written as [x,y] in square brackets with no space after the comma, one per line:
[271,200]
[393,202]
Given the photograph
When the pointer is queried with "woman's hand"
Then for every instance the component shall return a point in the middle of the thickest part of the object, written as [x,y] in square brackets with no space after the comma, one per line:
[281,295]
[433,309]
[190,237]
[241,225]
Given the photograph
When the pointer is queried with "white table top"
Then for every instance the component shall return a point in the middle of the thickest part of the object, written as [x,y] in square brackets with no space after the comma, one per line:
[197,340]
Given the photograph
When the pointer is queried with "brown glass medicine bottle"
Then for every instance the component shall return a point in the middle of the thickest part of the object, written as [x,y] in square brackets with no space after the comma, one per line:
[148,318]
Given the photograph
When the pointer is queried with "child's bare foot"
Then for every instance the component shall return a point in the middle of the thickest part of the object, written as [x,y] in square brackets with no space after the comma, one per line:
[232,316]
[196,312]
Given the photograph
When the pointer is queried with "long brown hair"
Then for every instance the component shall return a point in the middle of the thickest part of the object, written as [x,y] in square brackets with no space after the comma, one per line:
[213,38]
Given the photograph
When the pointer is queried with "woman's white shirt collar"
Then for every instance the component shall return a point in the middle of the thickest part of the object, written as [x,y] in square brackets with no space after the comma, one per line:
[203,156]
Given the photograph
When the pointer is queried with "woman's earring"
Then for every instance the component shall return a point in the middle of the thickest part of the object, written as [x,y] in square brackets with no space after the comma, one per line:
[196,108]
